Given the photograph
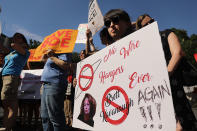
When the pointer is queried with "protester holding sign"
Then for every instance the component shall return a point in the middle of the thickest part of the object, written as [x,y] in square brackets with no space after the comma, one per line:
[118,23]
[54,78]
[173,54]
[127,86]
[13,65]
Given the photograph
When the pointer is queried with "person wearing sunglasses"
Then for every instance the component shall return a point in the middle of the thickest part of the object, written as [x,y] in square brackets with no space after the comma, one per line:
[173,55]
[118,24]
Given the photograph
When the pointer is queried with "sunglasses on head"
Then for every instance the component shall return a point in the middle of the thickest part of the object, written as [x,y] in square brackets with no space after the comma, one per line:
[149,22]
[114,19]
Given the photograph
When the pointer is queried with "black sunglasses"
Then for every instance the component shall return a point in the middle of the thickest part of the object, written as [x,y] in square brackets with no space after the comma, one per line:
[114,19]
[149,22]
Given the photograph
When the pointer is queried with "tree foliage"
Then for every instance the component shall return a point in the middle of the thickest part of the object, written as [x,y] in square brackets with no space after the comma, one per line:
[33,44]
[189,44]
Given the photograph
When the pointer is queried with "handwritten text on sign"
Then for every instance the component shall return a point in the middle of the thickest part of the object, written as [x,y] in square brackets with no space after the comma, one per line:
[95,17]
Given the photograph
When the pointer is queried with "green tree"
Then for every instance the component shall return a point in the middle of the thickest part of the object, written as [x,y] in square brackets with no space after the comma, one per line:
[33,44]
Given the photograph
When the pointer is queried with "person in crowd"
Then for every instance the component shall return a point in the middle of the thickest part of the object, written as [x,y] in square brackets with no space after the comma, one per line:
[173,54]
[82,54]
[69,96]
[118,24]
[54,78]
[68,108]
[29,108]
[114,16]
[88,110]
[14,62]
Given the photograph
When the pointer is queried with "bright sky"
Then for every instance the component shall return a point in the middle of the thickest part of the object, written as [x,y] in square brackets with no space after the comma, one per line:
[39,18]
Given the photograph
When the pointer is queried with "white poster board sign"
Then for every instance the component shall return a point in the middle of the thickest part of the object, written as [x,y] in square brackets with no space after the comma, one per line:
[95,17]
[81,36]
[30,84]
[126,86]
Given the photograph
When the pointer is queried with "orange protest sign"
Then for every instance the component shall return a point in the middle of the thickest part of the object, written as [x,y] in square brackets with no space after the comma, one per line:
[32,58]
[62,41]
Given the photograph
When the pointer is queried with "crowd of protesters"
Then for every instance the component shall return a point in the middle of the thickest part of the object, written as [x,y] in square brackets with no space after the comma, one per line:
[59,75]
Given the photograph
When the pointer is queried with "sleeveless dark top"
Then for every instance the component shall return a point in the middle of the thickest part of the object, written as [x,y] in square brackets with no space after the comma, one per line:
[181,104]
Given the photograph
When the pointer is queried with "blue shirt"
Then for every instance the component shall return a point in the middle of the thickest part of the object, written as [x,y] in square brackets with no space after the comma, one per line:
[52,73]
[14,63]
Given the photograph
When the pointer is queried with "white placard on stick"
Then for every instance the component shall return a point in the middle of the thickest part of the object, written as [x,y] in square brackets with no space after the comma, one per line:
[81,36]
[128,84]
[95,17]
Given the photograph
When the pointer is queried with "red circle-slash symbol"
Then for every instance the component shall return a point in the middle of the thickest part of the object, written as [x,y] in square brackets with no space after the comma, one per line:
[124,111]
[86,77]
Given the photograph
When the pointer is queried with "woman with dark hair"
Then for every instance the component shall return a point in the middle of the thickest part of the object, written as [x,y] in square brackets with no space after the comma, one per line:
[88,110]
[118,24]
[141,18]
[13,65]
[82,54]
[173,54]
[105,37]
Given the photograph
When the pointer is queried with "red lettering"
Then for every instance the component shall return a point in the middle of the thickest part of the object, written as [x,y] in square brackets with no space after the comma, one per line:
[66,39]
[51,41]
[132,78]
[137,79]
[103,75]
[110,53]
[68,34]
[45,42]
[54,41]
[60,33]
[65,42]
[132,46]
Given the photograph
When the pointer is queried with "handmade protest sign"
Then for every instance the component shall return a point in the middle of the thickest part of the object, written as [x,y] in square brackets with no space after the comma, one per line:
[61,41]
[81,36]
[95,17]
[125,86]
[32,58]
